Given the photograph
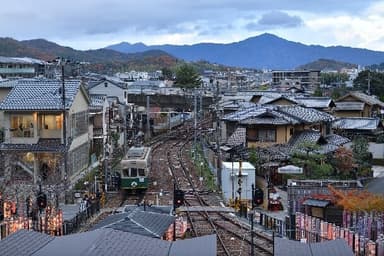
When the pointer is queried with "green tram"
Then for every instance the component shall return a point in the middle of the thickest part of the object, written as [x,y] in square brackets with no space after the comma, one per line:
[135,168]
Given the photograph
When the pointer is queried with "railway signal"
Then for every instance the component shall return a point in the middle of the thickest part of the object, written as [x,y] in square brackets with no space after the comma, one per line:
[178,198]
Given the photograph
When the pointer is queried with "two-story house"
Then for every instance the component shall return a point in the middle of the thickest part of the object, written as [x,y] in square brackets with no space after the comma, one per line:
[46,130]
[358,104]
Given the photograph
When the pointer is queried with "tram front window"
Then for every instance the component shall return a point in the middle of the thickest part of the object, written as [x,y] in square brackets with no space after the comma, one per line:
[126,172]
[141,172]
[133,172]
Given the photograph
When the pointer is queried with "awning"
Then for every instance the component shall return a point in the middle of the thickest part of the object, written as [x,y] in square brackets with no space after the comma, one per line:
[317,203]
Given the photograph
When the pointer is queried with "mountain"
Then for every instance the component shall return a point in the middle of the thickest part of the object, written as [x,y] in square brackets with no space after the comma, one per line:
[324,64]
[46,50]
[263,51]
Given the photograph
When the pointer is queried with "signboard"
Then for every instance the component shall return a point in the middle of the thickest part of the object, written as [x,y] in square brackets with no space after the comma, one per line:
[290,169]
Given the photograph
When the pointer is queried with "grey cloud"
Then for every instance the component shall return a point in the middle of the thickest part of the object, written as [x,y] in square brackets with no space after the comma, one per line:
[279,19]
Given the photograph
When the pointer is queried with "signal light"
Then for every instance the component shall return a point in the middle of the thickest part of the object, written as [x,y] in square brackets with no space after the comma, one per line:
[41,200]
[178,198]
[258,196]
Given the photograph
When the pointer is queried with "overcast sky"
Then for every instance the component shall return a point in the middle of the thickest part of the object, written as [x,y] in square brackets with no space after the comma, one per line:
[92,24]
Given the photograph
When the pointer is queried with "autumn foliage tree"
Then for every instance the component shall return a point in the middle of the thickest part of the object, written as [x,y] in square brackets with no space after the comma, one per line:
[344,162]
[358,200]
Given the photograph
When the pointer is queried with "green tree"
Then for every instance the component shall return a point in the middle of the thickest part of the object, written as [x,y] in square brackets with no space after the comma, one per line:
[334,78]
[375,80]
[308,156]
[362,156]
[167,73]
[187,77]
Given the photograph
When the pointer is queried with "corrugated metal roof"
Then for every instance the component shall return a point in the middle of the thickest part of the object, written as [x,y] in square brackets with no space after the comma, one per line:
[37,94]
[314,102]
[349,105]
[356,123]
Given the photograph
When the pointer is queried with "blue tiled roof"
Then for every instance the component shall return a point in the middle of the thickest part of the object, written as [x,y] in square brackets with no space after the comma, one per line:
[36,94]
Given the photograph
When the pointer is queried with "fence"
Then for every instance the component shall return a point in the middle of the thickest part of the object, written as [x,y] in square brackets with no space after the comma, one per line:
[50,222]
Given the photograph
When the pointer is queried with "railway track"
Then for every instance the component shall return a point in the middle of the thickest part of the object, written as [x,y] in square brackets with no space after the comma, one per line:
[173,167]
[233,236]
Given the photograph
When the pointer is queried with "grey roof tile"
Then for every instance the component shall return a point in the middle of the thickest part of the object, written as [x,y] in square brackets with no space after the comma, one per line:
[31,241]
[278,115]
[40,94]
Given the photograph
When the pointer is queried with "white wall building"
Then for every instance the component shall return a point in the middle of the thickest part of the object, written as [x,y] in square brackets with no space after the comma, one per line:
[230,180]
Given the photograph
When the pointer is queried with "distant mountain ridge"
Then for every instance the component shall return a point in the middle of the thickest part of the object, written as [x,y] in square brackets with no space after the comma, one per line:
[264,51]
[46,50]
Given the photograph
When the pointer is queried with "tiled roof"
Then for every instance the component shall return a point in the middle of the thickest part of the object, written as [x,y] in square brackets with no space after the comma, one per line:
[138,221]
[328,143]
[307,115]
[102,242]
[356,123]
[371,100]
[349,105]
[278,115]
[43,145]
[237,137]
[285,247]
[7,83]
[39,94]
[31,241]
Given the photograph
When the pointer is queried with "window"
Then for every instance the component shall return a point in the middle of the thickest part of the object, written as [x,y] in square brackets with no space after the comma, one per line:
[22,125]
[133,172]
[141,172]
[105,84]
[126,172]
[52,122]
[79,123]
[267,135]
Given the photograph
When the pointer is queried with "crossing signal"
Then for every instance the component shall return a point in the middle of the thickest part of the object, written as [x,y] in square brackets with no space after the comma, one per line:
[41,200]
[178,198]
[258,196]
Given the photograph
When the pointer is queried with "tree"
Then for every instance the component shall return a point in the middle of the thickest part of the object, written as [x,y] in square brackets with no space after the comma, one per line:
[375,81]
[187,77]
[362,155]
[344,162]
[358,200]
[313,163]
[167,73]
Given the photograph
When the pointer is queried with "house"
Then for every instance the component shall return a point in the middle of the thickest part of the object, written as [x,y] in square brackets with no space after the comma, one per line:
[324,104]
[45,130]
[358,104]
[269,125]
[98,116]
[21,67]
[369,127]
[110,88]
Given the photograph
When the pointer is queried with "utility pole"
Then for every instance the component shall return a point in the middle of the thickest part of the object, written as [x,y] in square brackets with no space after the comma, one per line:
[195,126]
[148,125]
[62,63]
[218,134]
